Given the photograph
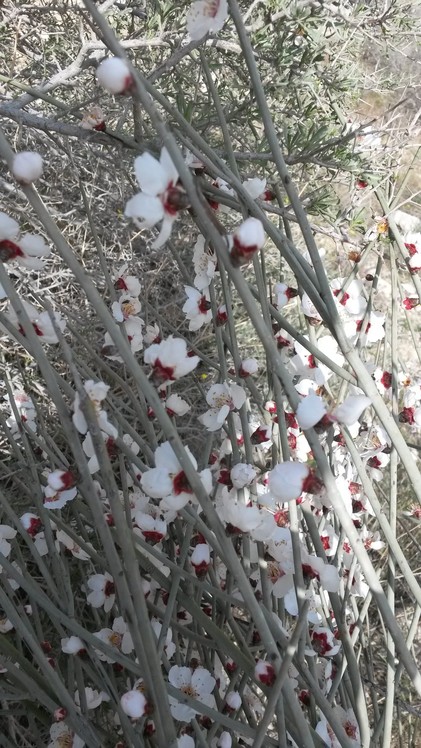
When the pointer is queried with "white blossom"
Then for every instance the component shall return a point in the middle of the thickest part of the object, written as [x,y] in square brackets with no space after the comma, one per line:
[114,75]
[206,16]
[161,196]
[27,167]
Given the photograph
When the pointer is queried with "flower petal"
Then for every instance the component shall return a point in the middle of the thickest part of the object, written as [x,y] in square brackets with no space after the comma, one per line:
[150,174]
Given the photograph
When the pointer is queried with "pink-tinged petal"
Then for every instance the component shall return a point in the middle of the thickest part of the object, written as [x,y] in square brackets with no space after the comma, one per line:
[165,232]
[150,174]
[149,208]
[168,166]
[156,483]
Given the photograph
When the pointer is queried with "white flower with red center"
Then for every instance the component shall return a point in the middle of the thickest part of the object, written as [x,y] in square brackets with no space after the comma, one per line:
[27,167]
[256,188]
[248,239]
[242,475]
[351,300]
[27,413]
[176,406]
[201,559]
[118,637]
[222,398]
[324,642]
[315,568]
[281,581]
[114,75]
[152,334]
[41,322]
[370,330]
[168,481]
[93,119]
[383,380]
[240,517]
[126,283]
[102,594]
[97,392]
[349,724]
[204,263]
[151,524]
[310,411]
[6,533]
[61,736]
[54,499]
[133,327]
[206,16]
[288,480]
[26,250]
[410,302]
[197,308]
[60,480]
[329,540]
[92,698]
[284,294]
[265,673]
[309,310]
[248,367]
[72,645]
[280,548]
[169,360]
[72,546]
[89,449]
[232,701]
[371,540]
[127,306]
[161,198]
[413,245]
[134,704]
[198,684]
[31,523]
[221,315]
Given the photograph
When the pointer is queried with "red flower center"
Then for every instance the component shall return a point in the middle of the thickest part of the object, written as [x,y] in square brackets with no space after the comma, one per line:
[204,305]
[320,643]
[386,379]
[344,296]
[162,373]
[175,199]
[109,588]
[181,484]
[9,251]
[350,729]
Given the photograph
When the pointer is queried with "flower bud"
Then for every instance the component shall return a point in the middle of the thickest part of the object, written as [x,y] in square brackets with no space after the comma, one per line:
[114,75]
[27,167]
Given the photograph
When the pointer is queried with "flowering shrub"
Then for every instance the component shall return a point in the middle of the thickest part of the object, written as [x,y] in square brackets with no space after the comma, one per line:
[207,431]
